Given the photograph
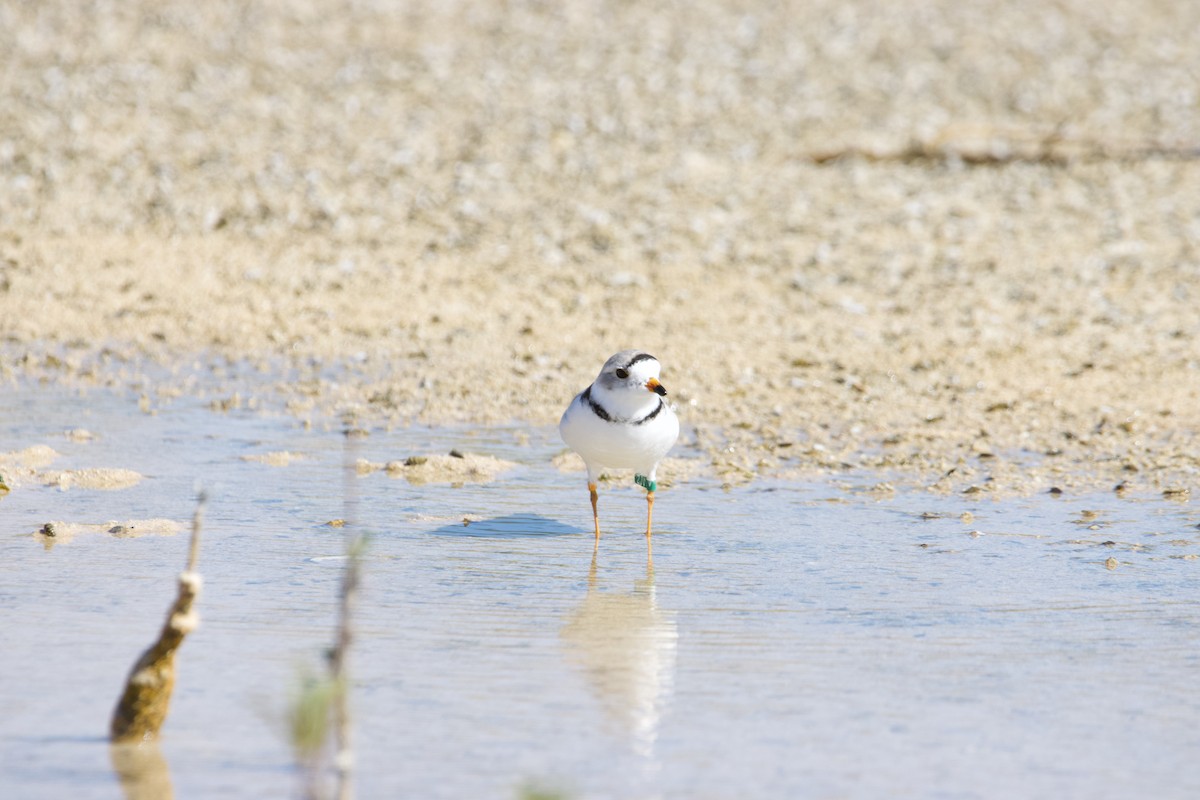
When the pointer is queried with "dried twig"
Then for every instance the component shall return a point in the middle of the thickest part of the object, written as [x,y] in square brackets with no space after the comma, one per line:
[142,709]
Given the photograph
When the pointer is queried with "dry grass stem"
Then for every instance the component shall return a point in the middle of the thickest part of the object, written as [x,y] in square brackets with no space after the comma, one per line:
[143,706]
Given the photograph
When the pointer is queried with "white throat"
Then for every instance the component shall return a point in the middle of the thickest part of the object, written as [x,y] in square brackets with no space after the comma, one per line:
[625,403]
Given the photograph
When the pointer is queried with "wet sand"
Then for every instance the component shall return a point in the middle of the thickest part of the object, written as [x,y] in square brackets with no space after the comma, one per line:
[959,246]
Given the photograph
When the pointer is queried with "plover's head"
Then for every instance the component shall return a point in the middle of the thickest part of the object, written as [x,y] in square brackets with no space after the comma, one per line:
[631,370]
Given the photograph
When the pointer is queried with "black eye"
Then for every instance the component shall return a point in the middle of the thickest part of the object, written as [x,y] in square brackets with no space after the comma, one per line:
[622,373]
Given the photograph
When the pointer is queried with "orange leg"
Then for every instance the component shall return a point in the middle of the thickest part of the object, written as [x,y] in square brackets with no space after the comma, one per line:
[649,517]
[595,511]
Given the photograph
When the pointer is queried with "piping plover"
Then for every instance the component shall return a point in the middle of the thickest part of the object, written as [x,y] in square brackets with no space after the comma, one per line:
[622,421]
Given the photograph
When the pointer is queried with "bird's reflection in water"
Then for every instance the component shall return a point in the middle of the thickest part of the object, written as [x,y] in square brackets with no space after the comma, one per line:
[626,646]
[142,770]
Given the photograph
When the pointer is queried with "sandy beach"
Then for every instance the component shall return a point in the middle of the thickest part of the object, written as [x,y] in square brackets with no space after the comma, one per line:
[955,246]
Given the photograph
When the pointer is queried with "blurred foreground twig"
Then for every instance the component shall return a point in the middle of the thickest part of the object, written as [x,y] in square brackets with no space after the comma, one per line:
[339,671]
[323,702]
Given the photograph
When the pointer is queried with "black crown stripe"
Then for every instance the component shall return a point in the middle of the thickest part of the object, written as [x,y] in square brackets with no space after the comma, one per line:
[640,357]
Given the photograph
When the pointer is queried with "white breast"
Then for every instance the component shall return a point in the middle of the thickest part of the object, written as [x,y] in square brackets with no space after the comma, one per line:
[615,444]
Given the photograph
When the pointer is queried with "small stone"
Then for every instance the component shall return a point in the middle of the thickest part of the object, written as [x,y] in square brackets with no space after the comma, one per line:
[1111,562]
[415,461]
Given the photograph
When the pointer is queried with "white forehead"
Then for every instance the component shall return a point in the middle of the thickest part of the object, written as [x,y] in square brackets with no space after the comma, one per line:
[638,362]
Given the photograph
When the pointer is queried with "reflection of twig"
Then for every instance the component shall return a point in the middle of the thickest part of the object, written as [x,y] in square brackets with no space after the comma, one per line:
[142,771]
[142,709]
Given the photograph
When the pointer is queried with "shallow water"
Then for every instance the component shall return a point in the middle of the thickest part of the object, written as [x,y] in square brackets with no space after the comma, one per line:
[790,640]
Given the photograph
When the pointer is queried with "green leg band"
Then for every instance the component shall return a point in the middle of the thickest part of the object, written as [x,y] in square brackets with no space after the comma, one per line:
[642,480]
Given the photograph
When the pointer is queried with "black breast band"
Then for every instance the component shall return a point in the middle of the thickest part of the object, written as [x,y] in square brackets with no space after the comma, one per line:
[599,411]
